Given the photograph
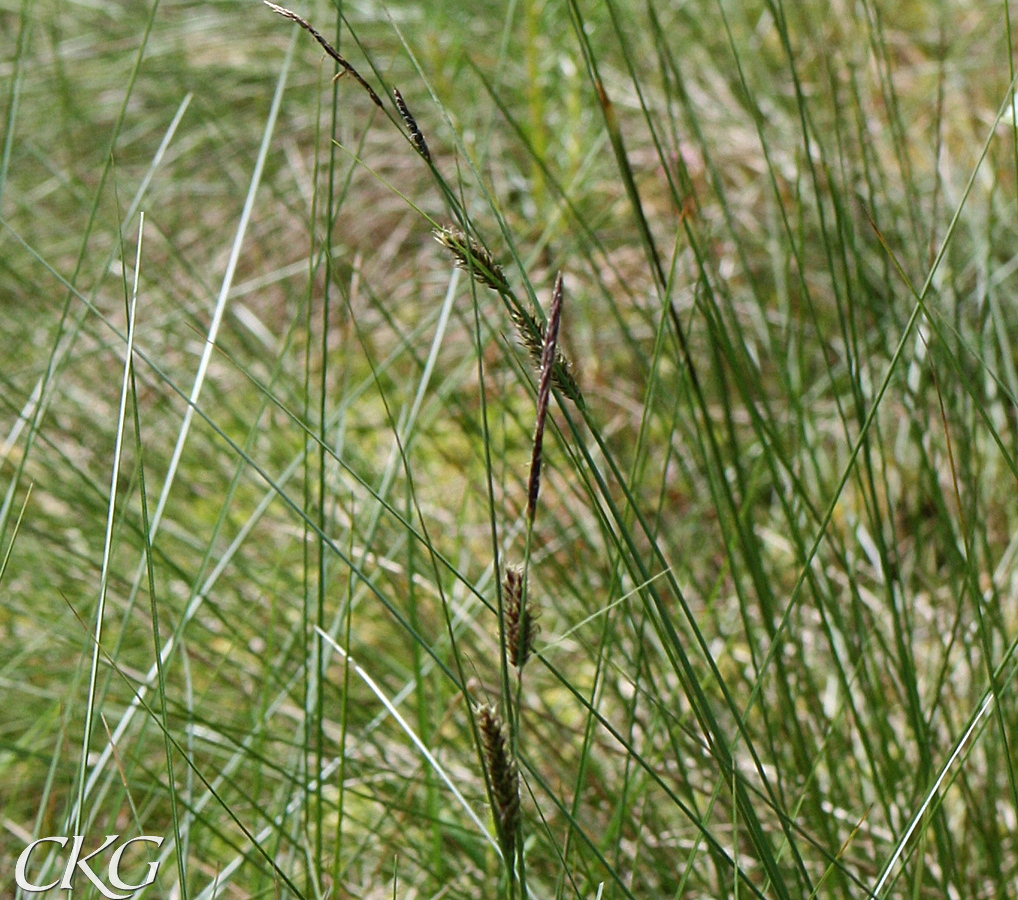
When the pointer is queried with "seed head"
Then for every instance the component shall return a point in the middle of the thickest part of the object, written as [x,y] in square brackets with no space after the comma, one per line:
[420,145]
[520,621]
[504,781]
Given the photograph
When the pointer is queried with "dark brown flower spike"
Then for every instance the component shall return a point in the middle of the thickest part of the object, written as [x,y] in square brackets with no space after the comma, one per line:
[520,620]
[504,782]
[306,25]
[549,354]
[420,145]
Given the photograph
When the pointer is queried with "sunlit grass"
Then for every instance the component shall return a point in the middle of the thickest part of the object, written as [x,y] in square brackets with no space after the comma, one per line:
[773,552]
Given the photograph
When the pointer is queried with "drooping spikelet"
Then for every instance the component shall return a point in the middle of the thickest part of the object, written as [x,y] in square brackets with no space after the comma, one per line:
[504,781]
[344,65]
[473,257]
[520,620]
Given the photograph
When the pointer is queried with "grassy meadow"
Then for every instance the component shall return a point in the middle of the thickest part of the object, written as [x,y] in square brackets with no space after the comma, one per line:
[267,592]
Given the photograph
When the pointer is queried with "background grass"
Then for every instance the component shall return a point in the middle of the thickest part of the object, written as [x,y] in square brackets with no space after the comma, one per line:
[774,554]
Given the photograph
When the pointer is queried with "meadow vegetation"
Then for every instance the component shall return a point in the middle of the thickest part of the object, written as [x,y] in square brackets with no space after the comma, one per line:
[756,634]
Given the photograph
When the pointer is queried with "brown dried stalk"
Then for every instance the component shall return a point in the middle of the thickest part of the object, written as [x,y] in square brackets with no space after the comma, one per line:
[306,25]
